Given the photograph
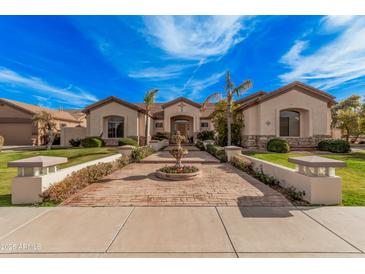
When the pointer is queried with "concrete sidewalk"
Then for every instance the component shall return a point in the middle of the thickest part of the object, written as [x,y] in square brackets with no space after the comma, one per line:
[182,232]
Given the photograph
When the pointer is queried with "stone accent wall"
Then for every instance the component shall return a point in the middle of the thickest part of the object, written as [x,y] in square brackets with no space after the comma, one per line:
[260,141]
[110,142]
[142,141]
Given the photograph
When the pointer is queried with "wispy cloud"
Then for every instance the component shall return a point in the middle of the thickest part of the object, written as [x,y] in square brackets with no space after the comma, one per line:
[337,62]
[159,73]
[193,89]
[70,95]
[196,86]
[192,37]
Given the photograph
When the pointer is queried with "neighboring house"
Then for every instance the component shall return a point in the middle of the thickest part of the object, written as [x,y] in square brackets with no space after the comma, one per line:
[16,123]
[296,112]
[79,115]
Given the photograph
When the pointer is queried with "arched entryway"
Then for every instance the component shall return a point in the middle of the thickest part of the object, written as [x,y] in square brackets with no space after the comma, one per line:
[294,122]
[114,127]
[184,124]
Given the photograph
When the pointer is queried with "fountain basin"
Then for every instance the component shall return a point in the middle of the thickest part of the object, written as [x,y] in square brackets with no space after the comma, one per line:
[169,173]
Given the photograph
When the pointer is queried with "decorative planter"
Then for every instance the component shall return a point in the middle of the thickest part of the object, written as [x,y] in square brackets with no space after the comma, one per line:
[177,176]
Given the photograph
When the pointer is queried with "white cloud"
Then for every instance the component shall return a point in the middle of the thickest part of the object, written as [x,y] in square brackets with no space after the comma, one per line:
[192,89]
[159,73]
[70,95]
[293,55]
[198,85]
[333,22]
[194,37]
[334,63]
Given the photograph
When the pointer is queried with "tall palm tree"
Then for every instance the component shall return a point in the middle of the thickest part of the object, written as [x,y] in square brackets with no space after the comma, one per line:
[149,100]
[46,124]
[230,90]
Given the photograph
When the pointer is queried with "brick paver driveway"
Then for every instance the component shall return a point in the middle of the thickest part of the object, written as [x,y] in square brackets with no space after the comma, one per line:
[220,185]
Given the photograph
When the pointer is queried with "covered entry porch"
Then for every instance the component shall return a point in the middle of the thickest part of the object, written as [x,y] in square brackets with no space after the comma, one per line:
[184,124]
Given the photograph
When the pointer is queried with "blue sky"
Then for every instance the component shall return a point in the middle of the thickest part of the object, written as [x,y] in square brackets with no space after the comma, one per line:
[72,61]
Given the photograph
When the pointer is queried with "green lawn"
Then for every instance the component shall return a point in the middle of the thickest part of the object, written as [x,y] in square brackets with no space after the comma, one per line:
[75,156]
[353,176]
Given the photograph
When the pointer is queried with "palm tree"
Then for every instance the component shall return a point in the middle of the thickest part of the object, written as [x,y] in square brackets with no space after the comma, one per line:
[46,124]
[149,100]
[230,90]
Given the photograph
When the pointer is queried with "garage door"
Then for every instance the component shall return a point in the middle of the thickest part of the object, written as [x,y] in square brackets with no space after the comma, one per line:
[17,133]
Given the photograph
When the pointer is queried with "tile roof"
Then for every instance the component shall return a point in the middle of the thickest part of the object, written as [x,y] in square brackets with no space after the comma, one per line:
[33,109]
[312,91]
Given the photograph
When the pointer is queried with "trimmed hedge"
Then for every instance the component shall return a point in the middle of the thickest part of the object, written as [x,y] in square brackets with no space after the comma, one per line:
[199,144]
[278,145]
[206,135]
[159,136]
[75,142]
[334,145]
[2,141]
[127,141]
[80,179]
[92,142]
[141,152]
[218,152]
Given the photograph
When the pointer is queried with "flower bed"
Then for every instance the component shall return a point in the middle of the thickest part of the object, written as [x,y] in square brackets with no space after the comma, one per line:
[291,193]
[174,173]
[183,169]
[59,192]
[78,180]
[218,152]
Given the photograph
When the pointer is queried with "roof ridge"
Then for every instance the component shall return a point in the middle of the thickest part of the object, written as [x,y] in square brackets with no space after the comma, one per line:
[35,109]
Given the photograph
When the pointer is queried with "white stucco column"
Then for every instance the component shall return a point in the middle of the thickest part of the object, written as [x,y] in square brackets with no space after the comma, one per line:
[148,137]
[310,123]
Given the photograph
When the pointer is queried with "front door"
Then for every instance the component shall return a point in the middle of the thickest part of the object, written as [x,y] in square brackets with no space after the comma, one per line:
[182,128]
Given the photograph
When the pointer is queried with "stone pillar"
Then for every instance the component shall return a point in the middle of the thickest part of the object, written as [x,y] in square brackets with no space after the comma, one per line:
[126,150]
[326,187]
[232,151]
[28,185]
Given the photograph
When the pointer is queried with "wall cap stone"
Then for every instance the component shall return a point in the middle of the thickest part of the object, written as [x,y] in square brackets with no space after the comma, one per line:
[127,147]
[38,161]
[316,161]
[232,148]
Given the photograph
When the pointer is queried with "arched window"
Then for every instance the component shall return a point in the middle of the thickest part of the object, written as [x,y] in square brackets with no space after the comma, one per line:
[115,127]
[289,123]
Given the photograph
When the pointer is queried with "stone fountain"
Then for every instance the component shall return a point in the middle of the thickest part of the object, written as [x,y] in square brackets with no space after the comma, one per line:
[178,172]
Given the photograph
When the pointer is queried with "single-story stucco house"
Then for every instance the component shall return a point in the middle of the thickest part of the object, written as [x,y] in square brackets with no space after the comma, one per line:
[297,112]
[17,127]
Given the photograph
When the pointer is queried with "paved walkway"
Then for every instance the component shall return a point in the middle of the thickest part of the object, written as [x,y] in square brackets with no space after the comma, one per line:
[219,185]
[182,232]
[193,157]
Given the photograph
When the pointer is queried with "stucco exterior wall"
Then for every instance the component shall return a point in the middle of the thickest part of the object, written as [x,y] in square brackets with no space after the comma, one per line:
[7,111]
[314,114]
[156,129]
[210,124]
[174,110]
[262,121]
[68,133]
[251,120]
[96,124]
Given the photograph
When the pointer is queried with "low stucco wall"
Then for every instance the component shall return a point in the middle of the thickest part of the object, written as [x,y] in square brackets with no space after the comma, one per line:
[158,145]
[27,190]
[68,133]
[318,190]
